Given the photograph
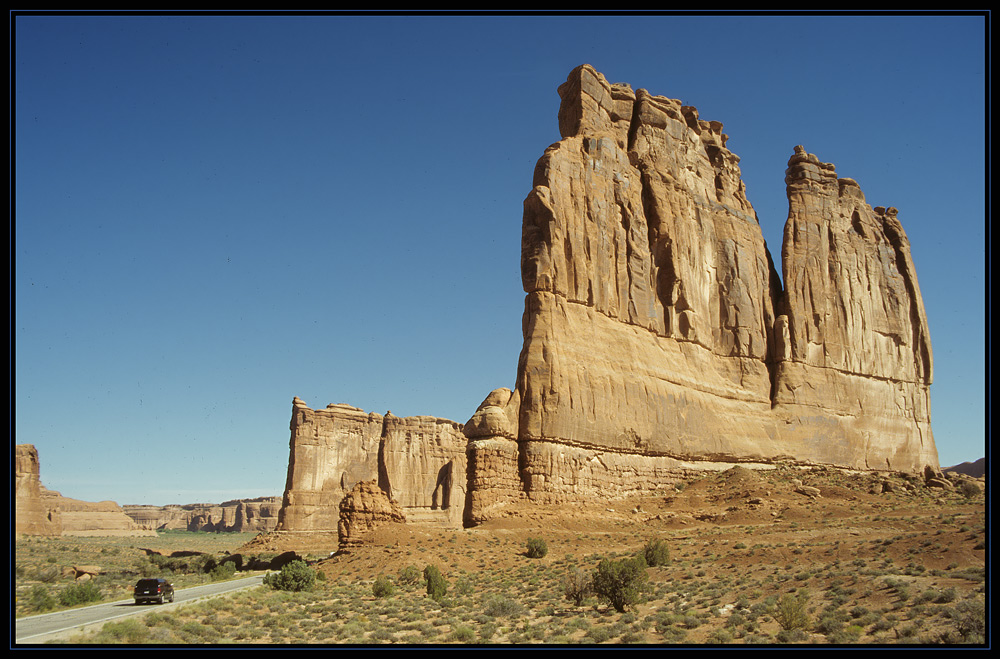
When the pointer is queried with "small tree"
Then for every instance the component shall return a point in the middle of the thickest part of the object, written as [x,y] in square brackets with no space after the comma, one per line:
[294,576]
[621,582]
[537,548]
[578,586]
[382,587]
[791,612]
[656,552]
[437,586]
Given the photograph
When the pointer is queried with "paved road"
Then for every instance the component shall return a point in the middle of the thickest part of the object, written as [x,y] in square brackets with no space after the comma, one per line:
[38,629]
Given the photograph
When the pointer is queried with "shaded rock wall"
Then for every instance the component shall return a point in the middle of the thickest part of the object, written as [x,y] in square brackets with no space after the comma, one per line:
[419,462]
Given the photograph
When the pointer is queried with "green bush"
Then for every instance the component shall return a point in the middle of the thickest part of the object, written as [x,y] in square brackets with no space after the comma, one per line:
[437,586]
[295,576]
[969,489]
[621,583]
[382,587]
[791,612]
[656,552]
[80,593]
[970,619]
[40,599]
[409,575]
[496,605]
[222,572]
[537,548]
[129,631]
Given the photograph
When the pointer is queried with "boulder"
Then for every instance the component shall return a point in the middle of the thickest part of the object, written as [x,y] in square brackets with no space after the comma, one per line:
[362,510]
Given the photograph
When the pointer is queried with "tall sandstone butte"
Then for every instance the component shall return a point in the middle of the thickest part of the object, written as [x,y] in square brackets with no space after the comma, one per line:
[658,337]
[418,461]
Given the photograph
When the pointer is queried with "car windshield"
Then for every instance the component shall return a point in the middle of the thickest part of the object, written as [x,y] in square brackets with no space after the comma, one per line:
[147,583]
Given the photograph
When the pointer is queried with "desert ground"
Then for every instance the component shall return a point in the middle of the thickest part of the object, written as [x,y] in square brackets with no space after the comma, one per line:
[756,557]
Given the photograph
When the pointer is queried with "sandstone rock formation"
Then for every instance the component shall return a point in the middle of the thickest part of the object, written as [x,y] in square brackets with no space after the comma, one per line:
[98,518]
[658,335]
[31,516]
[417,461]
[39,511]
[238,515]
[362,510]
[659,338]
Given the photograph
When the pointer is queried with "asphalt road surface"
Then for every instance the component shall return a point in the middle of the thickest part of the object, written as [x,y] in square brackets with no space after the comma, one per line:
[49,626]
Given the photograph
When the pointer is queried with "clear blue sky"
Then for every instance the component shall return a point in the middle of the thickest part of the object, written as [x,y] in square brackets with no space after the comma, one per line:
[215,214]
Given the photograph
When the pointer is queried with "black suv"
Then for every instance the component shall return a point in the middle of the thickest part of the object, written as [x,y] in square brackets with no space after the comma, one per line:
[153,590]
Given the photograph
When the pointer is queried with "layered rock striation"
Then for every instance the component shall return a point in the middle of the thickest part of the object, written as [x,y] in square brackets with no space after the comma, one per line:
[658,336]
[419,462]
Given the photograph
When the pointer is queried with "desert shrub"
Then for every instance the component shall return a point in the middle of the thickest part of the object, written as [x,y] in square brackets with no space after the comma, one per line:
[969,490]
[129,631]
[382,587]
[537,548]
[47,574]
[437,585]
[222,572]
[656,552]
[791,612]
[464,587]
[409,575]
[463,634]
[295,576]
[40,599]
[577,586]
[970,619]
[496,605]
[791,636]
[80,593]
[621,583]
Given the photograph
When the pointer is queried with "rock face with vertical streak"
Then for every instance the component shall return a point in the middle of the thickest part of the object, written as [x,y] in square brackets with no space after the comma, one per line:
[658,336]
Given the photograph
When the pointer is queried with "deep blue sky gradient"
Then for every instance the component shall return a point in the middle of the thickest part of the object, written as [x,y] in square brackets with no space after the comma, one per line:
[215,214]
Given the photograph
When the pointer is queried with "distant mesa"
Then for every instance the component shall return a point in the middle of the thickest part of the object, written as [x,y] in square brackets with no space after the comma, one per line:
[236,516]
[39,511]
[659,338]
[975,469]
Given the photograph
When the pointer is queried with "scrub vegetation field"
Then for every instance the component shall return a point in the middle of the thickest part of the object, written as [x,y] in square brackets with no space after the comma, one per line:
[737,557]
